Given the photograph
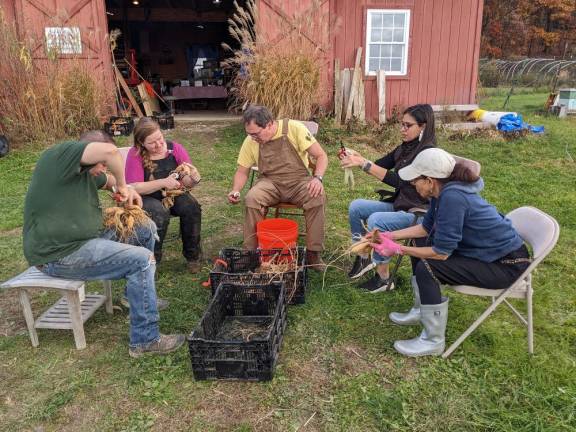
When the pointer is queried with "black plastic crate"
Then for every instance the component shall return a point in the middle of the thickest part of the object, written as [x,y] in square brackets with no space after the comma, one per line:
[165,121]
[221,349]
[239,266]
[119,126]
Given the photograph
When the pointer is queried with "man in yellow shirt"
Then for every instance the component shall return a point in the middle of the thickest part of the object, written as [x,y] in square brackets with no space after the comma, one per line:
[281,150]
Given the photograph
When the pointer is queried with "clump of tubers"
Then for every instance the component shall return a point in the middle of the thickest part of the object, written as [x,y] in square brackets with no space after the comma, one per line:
[124,220]
[181,171]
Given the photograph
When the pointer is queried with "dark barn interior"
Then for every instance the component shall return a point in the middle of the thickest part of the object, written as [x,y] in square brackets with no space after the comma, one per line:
[175,45]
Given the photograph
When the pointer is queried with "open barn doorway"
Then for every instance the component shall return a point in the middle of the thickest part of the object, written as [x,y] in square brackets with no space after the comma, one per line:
[176,46]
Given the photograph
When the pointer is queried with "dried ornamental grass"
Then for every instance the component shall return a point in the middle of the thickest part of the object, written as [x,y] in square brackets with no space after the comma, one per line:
[285,76]
[42,99]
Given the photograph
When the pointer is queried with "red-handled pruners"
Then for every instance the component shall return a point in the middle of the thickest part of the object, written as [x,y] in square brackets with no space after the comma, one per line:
[342,152]
[116,196]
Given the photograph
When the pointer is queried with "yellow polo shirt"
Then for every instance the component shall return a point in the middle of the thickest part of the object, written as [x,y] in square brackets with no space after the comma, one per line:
[298,135]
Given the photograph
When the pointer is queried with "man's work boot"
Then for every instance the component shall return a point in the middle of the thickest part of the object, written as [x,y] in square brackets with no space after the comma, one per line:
[314,261]
[164,345]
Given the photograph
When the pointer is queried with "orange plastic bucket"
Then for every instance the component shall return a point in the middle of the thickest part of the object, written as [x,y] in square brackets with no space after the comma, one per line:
[277,234]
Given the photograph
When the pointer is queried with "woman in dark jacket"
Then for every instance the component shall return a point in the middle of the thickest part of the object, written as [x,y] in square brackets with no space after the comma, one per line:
[463,240]
[417,128]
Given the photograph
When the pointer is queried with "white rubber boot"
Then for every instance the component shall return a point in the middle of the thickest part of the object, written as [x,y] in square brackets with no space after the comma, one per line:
[412,317]
[432,339]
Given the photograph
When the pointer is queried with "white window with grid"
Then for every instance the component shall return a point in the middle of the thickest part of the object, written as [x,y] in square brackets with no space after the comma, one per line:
[387,41]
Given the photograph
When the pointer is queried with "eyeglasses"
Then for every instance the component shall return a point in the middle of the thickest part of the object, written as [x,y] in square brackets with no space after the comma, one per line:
[256,134]
[405,125]
[413,181]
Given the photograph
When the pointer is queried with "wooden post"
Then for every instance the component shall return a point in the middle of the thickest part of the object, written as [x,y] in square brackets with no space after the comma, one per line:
[381,81]
[346,87]
[150,103]
[129,94]
[338,92]
[361,111]
[354,88]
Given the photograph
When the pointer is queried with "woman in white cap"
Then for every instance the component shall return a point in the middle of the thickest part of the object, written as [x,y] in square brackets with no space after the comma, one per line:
[463,240]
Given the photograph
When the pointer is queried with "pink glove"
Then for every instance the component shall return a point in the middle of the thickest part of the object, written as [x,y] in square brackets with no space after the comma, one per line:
[387,247]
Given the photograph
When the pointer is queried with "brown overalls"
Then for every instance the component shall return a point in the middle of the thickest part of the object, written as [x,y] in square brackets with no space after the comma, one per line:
[283,178]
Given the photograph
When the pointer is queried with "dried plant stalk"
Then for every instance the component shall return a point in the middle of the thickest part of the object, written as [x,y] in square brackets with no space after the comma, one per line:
[283,74]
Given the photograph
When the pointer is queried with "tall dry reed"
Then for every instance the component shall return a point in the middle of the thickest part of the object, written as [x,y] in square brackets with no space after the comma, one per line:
[285,75]
[42,100]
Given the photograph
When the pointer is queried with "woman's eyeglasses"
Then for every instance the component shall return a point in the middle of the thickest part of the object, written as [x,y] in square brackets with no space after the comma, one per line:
[405,125]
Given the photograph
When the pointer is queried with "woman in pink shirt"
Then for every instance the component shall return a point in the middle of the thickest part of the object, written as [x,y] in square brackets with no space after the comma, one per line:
[148,167]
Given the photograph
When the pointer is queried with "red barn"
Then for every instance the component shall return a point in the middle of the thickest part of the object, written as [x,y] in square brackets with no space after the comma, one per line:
[428,48]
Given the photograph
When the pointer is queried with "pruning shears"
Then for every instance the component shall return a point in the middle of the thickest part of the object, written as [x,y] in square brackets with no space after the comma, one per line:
[116,196]
[342,152]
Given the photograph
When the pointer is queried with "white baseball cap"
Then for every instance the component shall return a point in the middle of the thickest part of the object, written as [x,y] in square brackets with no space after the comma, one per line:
[433,162]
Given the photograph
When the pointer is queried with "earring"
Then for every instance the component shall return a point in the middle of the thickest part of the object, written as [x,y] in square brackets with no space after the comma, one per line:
[421,135]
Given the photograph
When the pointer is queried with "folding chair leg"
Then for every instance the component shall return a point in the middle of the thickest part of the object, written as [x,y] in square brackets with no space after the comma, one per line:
[515,312]
[474,326]
[530,324]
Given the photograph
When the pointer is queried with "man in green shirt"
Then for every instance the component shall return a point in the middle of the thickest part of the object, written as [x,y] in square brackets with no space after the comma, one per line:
[63,234]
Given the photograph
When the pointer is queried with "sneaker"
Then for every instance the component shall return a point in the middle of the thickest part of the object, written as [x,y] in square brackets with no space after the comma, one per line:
[360,267]
[161,304]
[166,344]
[377,284]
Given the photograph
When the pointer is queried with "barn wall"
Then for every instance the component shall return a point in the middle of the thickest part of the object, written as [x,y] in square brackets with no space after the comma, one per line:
[444,45]
[8,9]
[275,19]
[32,16]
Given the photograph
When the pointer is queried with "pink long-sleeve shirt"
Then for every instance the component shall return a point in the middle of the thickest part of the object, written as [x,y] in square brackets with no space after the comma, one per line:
[134,169]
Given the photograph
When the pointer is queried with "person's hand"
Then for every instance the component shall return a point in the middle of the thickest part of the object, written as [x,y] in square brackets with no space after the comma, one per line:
[234,197]
[375,235]
[351,160]
[128,195]
[315,187]
[387,247]
[171,183]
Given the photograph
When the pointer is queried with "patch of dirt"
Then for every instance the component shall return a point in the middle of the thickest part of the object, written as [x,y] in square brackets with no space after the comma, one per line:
[227,405]
[12,321]
[206,133]
[12,232]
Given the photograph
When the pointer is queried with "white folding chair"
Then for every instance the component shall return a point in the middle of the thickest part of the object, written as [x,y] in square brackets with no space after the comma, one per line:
[541,232]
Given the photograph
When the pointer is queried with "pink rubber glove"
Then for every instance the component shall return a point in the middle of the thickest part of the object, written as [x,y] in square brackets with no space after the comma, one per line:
[387,247]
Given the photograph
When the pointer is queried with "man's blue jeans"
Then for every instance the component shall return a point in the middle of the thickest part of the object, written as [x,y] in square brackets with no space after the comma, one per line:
[379,215]
[104,258]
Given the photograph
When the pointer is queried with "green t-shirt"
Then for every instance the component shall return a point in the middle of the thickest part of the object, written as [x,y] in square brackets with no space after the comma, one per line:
[62,210]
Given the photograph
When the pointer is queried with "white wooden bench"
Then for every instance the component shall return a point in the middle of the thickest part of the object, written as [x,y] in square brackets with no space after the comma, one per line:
[70,312]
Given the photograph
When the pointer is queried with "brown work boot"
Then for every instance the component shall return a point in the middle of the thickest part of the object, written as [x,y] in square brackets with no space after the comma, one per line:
[166,344]
[194,266]
[314,261]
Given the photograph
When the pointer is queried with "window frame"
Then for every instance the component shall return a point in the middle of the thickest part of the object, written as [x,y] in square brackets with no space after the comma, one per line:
[404,69]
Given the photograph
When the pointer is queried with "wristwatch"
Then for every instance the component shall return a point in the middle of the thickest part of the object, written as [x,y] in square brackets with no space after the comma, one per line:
[366,165]
[319,177]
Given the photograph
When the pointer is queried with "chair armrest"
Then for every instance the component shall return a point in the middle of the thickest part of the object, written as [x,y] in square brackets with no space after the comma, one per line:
[418,211]
[385,194]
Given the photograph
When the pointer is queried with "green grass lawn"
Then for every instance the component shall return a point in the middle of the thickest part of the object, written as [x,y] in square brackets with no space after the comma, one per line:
[337,369]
